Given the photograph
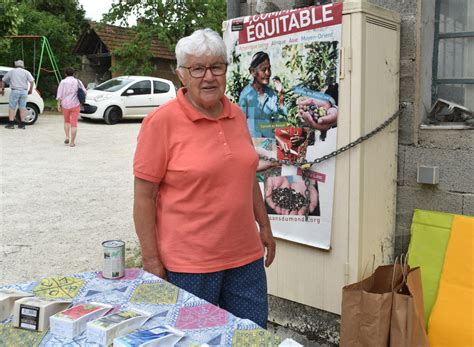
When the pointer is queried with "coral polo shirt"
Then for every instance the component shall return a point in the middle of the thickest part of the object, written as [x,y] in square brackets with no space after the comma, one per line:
[205,168]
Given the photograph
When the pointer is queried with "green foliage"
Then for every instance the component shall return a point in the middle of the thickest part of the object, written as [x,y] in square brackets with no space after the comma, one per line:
[169,20]
[11,20]
[61,22]
[134,57]
[322,55]
[316,68]
[237,80]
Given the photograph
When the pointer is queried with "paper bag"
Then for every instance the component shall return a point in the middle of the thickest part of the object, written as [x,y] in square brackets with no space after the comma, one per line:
[407,326]
[366,308]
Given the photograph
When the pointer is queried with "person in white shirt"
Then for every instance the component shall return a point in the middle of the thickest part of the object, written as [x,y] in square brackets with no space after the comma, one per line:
[21,83]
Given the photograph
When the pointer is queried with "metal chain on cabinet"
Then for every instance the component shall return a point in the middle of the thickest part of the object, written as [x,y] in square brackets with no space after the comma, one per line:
[306,165]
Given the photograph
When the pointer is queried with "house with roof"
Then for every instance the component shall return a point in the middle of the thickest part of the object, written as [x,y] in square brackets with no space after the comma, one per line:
[96,47]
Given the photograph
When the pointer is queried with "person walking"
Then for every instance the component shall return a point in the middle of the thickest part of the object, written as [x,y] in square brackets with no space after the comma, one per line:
[21,83]
[197,202]
[69,105]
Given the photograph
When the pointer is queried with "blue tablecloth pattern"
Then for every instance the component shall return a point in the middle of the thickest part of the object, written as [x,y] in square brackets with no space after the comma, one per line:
[202,322]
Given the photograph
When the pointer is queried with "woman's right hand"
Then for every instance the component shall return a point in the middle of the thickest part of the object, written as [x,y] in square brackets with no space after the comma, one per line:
[155,267]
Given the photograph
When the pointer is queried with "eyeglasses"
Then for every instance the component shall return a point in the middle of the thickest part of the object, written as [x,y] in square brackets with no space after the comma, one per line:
[199,71]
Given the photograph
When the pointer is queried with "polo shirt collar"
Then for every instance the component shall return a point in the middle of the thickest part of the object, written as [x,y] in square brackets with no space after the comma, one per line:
[195,115]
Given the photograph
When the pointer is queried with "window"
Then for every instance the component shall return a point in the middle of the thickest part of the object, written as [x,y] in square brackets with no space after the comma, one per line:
[114,84]
[453,68]
[160,87]
[140,88]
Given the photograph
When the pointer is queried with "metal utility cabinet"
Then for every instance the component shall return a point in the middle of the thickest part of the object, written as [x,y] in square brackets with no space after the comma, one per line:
[365,186]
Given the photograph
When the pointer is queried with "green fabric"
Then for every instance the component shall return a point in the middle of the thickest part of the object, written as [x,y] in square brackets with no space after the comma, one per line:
[429,238]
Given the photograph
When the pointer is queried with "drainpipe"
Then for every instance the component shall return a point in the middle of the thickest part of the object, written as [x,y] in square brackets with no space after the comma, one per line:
[233,9]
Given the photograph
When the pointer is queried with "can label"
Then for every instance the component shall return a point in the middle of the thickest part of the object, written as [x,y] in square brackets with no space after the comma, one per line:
[114,259]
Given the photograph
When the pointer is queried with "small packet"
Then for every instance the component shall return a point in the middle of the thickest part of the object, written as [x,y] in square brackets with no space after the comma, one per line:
[153,337]
[73,321]
[104,330]
[33,313]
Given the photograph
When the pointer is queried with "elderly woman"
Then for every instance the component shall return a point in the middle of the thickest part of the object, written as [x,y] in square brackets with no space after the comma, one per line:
[261,104]
[196,195]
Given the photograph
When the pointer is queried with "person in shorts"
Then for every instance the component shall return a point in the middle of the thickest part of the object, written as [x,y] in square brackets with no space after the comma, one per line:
[69,104]
[21,83]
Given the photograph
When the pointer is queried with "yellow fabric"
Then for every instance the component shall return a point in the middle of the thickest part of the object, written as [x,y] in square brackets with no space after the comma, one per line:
[452,318]
[430,232]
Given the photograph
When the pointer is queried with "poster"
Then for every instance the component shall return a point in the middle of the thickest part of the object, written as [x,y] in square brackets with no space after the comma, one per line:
[284,74]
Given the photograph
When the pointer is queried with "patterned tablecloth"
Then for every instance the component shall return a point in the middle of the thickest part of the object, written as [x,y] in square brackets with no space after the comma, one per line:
[202,322]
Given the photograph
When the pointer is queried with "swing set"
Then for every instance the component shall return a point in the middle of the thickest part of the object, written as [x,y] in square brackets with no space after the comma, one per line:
[45,48]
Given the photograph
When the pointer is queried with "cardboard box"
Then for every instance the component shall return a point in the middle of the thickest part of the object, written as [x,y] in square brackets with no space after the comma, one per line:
[104,330]
[153,337]
[73,321]
[7,299]
[33,313]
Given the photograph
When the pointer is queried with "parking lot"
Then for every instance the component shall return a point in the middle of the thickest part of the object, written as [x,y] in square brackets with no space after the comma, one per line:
[59,203]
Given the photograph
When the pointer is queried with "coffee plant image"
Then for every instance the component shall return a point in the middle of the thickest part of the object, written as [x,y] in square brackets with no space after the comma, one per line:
[237,80]
[314,66]
[235,83]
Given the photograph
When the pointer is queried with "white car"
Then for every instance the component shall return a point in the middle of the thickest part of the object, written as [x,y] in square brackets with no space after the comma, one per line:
[34,102]
[126,97]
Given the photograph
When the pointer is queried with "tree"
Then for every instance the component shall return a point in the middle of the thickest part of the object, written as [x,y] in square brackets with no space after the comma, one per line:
[169,20]
[134,57]
[11,20]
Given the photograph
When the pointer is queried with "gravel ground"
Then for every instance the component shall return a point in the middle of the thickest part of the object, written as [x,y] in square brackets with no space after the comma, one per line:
[59,203]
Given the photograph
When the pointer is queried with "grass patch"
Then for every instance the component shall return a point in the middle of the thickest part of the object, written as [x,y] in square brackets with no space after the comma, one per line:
[133,256]
[50,104]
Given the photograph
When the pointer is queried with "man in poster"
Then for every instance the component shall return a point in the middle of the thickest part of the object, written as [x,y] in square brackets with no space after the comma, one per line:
[261,104]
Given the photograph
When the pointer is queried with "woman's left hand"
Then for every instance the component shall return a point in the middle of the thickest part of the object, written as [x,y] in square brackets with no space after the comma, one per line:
[268,242]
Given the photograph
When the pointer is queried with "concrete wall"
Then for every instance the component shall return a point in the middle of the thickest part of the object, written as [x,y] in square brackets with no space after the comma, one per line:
[450,150]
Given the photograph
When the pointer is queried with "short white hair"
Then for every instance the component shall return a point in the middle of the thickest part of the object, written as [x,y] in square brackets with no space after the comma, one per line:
[199,43]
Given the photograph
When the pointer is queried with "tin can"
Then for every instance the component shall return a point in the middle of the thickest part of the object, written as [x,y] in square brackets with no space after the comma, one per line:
[114,259]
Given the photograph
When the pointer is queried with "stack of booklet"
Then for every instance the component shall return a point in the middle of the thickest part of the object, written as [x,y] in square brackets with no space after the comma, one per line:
[33,313]
[72,322]
[104,330]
